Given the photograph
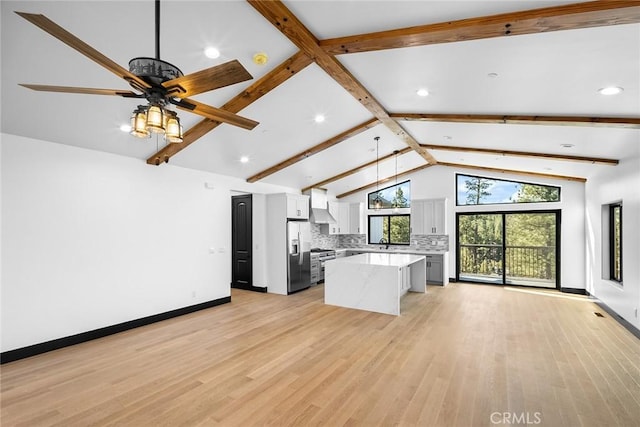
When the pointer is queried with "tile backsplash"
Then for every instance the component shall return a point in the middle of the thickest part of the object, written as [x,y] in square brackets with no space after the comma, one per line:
[430,242]
[322,240]
[418,241]
[352,241]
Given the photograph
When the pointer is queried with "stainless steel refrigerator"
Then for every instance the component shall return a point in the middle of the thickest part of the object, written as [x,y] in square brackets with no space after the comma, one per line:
[299,255]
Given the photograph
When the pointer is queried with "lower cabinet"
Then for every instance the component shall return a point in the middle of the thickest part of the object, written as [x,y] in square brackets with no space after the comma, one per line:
[315,270]
[435,273]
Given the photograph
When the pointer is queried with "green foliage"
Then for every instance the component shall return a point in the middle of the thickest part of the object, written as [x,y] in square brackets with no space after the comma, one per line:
[537,193]
[397,227]
[399,201]
[477,189]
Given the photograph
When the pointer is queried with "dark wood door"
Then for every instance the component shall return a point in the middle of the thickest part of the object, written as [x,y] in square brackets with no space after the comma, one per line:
[241,242]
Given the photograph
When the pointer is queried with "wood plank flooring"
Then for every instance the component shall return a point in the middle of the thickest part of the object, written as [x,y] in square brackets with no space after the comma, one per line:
[464,355]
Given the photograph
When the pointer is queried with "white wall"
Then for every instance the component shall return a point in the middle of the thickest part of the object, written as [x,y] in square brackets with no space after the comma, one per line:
[439,182]
[621,183]
[259,231]
[91,239]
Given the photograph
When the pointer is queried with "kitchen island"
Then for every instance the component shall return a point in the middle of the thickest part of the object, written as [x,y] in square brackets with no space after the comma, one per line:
[373,281]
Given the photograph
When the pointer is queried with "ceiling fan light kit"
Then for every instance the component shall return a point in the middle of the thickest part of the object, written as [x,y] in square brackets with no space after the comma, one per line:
[158,81]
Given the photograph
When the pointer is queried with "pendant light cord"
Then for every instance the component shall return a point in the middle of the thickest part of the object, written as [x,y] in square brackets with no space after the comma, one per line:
[377,138]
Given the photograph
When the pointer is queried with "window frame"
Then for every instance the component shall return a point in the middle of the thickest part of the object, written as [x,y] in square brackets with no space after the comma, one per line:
[613,240]
[388,218]
[399,184]
[458,203]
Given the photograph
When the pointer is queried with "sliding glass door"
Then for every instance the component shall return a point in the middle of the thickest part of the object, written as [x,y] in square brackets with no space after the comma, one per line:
[480,252]
[509,248]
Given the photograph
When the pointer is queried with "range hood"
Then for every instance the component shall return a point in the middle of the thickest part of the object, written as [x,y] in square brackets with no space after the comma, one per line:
[319,207]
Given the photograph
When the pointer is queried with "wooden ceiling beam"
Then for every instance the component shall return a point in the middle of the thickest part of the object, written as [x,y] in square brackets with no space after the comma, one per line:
[613,122]
[384,180]
[555,18]
[515,172]
[592,160]
[285,21]
[261,87]
[315,149]
[355,170]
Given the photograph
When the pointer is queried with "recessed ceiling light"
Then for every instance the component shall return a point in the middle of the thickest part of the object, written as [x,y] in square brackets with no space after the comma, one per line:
[260,58]
[244,159]
[212,52]
[447,137]
[567,145]
[610,90]
[422,92]
[125,128]
[319,118]
[492,75]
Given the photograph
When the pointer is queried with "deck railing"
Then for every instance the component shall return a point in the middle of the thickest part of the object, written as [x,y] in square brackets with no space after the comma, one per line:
[533,262]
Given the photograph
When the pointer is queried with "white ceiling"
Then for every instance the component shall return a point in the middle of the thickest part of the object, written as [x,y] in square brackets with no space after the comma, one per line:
[555,73]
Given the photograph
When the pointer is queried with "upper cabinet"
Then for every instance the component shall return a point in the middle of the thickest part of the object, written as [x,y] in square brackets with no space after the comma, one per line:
[429,216]
[297,206]
[348,216]
[356,218]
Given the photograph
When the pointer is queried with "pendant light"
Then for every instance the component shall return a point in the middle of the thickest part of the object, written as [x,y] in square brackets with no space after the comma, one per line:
[377,203]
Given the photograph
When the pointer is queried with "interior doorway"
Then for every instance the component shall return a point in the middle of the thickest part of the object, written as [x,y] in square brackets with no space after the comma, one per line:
[241,242]
[509,248]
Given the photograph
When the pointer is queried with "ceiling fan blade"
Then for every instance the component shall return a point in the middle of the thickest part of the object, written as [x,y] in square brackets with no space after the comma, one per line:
[84,90]
[215,114]
[72,41]
[222,75]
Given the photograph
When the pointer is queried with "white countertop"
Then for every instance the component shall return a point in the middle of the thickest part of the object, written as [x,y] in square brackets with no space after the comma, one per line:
[398,251]
[385,259]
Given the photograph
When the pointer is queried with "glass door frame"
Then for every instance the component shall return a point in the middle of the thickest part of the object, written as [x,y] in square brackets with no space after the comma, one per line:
[558,216]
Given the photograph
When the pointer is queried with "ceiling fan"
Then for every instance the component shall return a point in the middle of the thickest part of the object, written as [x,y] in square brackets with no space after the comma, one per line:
[155,80]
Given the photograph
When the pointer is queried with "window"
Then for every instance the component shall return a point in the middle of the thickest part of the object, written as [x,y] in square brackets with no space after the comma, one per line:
[477,190]
[389,229]
[615,242]
[395,196]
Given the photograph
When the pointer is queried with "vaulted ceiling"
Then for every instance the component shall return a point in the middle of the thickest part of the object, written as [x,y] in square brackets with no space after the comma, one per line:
[513,85]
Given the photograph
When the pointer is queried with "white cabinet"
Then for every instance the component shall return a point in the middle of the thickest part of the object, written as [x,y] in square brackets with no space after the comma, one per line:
[297,206]
[435,272]
[343,216]
[429,216]
[437,211]
[356,218]
[334,210]
[417,217]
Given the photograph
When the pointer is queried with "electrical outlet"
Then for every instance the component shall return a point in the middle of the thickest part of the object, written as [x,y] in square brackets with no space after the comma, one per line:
[636,312]
[193,294]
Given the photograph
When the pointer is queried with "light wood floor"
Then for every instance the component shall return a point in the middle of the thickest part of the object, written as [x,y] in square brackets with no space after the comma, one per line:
[464,355]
